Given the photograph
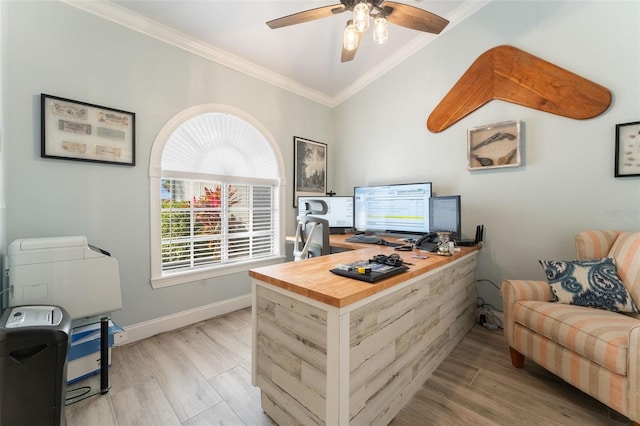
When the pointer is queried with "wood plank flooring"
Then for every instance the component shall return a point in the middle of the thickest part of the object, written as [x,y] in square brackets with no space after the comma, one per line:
[200,375]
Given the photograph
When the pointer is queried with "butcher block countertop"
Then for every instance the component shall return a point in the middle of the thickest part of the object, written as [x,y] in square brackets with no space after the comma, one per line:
[312,278]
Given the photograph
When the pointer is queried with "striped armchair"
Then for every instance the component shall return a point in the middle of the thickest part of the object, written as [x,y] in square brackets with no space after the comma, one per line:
[595,350]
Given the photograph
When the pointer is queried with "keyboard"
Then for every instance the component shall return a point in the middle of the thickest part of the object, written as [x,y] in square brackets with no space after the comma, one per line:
[371,239]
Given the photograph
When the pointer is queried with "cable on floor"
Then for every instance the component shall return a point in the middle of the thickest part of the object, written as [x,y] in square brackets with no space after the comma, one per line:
[489,316]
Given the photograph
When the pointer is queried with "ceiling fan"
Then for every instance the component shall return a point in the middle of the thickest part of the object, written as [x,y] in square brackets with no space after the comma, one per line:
[380,11]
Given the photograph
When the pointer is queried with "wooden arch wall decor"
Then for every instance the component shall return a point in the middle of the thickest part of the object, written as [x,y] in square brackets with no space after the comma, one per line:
[510,74]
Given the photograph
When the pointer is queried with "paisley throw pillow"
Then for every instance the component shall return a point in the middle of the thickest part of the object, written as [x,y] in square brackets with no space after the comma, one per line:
[593,283]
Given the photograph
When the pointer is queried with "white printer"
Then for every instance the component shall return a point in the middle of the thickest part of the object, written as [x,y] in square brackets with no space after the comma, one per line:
[63,271]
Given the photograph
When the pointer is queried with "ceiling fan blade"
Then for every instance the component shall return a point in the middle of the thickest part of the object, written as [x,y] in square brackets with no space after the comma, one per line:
[414,17]
[306,16]
[348,55]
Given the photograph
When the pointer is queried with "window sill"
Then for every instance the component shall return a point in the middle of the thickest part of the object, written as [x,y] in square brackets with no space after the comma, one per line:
[202,274]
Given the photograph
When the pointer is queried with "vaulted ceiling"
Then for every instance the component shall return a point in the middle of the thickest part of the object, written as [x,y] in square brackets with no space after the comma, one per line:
[304,58]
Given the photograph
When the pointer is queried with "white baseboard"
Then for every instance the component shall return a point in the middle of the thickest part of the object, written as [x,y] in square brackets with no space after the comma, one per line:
[150,328]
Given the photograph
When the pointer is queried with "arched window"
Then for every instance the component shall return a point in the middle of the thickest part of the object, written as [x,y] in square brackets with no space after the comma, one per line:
[216,200]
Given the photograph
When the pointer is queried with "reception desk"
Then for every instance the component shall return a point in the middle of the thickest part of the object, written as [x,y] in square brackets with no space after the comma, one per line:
[334,350]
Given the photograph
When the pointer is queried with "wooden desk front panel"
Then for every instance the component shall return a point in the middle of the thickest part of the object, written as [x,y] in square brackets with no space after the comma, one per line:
[290,358]
[317,364]
[398,340]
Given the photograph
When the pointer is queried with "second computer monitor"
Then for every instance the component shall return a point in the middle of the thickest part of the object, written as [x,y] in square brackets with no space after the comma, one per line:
[444,215]
[339,211]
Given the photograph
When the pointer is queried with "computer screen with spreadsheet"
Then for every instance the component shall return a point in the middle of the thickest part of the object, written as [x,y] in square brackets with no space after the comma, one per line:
[396,208]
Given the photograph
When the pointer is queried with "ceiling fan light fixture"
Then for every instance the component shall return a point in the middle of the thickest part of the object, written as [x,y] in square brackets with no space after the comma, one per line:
[378,13]
[351,37]
[361,16]
[380,30]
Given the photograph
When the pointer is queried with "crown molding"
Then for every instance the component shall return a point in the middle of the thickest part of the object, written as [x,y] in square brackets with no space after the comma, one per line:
[122,16]
[159,31]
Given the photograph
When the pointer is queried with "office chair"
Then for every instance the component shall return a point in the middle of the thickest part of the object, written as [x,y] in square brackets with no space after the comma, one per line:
[312,233]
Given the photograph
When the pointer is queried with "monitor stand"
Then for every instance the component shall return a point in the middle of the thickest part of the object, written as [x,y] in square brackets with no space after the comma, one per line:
[400,235]
[339,231]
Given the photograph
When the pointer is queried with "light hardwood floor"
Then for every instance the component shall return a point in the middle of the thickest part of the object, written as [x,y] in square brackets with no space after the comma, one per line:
[200,375]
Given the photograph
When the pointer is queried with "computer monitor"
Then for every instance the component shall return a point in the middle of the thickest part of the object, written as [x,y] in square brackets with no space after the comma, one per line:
[444,213]
[394,209]
[339,211]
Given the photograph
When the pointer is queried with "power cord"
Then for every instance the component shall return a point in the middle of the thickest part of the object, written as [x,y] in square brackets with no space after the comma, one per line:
[80,394]
[391,260]
[489,281]
[488,315]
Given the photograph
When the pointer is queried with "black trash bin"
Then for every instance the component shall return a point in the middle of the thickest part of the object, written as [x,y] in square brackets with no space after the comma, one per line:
[34,342]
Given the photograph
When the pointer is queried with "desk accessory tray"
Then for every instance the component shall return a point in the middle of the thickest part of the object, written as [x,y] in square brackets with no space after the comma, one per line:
[378,272]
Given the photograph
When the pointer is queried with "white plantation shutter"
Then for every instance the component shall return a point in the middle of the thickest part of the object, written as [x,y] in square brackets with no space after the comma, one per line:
[237,225]
[219,195]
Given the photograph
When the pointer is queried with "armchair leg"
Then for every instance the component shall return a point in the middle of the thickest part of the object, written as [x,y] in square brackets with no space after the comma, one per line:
[517,359]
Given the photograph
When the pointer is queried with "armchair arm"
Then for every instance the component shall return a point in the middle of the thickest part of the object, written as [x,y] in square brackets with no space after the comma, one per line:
[515,290]
[633,374]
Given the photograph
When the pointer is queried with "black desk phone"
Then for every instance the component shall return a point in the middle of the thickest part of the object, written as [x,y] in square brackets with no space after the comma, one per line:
[428,242]
[431,237]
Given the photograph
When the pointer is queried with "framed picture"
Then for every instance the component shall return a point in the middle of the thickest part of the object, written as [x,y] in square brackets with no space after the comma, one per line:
[627,149]
[309,168]
[73,130]
[493,146]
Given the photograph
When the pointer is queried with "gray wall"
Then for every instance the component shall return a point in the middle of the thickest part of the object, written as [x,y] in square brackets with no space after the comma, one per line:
[377,136]
[49,47]
[566,184]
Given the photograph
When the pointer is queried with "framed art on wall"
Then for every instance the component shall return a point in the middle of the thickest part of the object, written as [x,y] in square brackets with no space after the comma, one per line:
[309,168]
[627,149]
[79,131]
[493,146]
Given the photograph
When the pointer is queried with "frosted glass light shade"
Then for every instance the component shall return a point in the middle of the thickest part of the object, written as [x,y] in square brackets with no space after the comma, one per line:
[350,37]
[361,16]
[380,30]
